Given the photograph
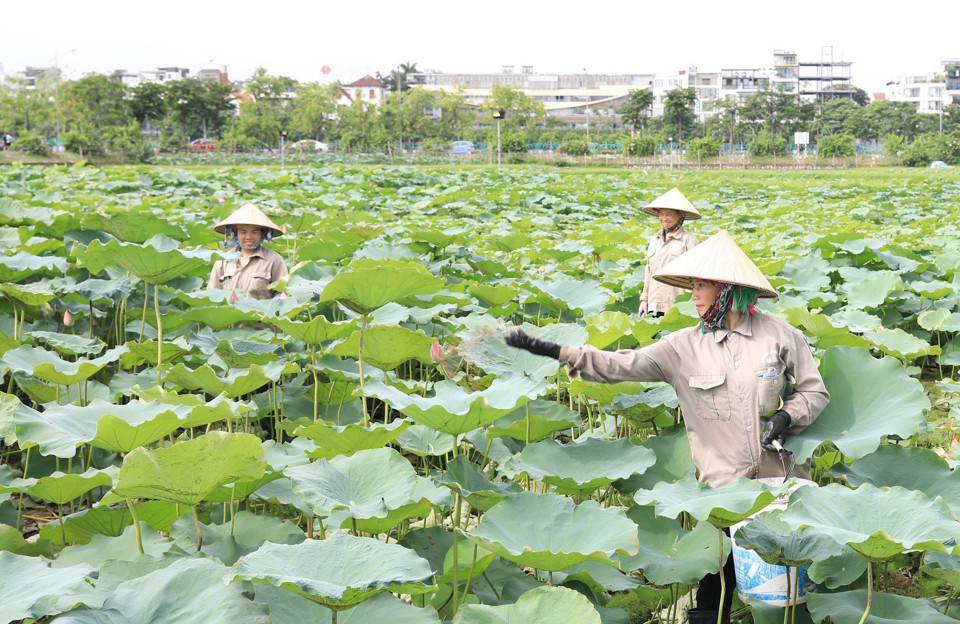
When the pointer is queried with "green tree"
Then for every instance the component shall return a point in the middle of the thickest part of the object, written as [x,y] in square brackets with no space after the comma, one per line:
[416,107]
[765,144]
[360,127]
[314,110]
[834,115]
[522,111]
[398,76]
[455,115]
[25,109]
[678,112]
[266,112]
[148,102]
[636,110]
[704,147]
[835,144]
[97,99]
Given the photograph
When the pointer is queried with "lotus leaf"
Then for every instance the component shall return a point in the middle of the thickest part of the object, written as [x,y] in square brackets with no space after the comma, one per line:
[81,527]
[494,294]
[871,290]
[367,284]
[8,407]
[31,588]
[90,290]
[188,471]
[581,466]
[132,226]
[670,554]
[145,352]
[822,329]
[869,400]
[45,365]
[288,608]
[234,384]
[157,260]
[488,351]
[535,421]
[12,541]
[877,523]
[30,295]
[722,506]
[778,544]
[387,347]
[597,577]
[848,608]
[584,296]
[182,591]
[356,483]
[554,539]
[466,478]
[338,572]
[900,344]
[840,570]
[454,411]
[69,344]
[543,605]
[606,328]
[16,268]
[316,331]
[672,449]
[60,487]
[332,440]
[425,441]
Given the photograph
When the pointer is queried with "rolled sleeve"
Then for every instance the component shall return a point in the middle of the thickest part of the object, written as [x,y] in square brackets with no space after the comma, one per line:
[592,364]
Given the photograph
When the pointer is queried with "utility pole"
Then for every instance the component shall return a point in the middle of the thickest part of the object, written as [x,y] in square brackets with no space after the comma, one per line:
[399,112]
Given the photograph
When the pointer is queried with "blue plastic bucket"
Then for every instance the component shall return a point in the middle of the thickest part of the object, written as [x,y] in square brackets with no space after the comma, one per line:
[767,583]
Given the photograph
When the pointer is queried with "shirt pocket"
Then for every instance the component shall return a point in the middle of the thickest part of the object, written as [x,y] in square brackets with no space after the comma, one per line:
[258,286]
[771,388]
[712,396]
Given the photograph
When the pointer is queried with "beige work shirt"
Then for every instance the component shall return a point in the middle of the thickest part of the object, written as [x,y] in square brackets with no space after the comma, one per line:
[660,297]
[725,381]
[254,278]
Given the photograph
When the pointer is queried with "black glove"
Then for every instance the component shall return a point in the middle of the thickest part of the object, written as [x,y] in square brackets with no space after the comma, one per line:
[775,431]
[537,346]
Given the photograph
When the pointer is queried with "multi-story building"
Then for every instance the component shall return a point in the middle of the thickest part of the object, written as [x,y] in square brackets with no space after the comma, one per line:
[367,88]
[706,85]
[929,93]
[214,75]
[951,74]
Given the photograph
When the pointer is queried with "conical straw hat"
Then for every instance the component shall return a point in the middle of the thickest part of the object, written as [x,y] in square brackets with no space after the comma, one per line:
[717,259]
[248,214]
[674,200]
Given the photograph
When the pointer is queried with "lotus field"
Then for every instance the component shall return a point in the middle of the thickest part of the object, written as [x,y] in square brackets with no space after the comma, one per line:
[368,449]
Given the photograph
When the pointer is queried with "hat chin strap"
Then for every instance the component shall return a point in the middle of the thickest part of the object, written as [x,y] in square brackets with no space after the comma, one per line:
[267,235]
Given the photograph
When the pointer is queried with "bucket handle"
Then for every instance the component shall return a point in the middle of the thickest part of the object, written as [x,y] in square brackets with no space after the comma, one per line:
[784,455]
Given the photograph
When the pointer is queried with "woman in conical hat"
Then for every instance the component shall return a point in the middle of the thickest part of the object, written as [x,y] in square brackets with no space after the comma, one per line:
[672,209]
[744,379]
[258,267]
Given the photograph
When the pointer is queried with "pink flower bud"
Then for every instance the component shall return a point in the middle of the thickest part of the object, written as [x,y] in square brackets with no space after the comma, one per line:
[285,228]
[96,204]
[435,352]
[233,296]
[222,200]
[67,318]
[581,266]
[542,269]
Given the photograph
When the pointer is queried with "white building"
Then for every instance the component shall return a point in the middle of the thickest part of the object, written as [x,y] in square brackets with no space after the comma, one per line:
[368,89]
[927,92]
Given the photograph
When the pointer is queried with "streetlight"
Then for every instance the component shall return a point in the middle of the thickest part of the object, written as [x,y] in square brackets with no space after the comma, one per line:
[499,114]
[399,110]
[56,89]
[942,113]
[283,135]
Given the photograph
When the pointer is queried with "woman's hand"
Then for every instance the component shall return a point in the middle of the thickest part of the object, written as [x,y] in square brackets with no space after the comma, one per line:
[537,346]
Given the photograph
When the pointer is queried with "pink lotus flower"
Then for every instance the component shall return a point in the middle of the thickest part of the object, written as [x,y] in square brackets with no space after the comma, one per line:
[222,200]
[542,269]
[435,351]
[233,296]
[96,204]
[67,318]
[581,266]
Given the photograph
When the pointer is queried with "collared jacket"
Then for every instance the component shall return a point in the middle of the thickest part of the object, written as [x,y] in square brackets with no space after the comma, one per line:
[254,278]
[660,297]
[725,381]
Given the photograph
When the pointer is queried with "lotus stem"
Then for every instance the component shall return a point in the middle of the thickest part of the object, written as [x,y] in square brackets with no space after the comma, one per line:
[363,398]
[456,559]
[233,515]
[136,525]
[143,319]
[723,580]
[473,565]
[90,332]
[196,523]
[869,591]
[527,406]
[156,307]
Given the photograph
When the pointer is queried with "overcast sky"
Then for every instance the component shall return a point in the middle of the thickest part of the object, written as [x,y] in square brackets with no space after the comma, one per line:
[357,37]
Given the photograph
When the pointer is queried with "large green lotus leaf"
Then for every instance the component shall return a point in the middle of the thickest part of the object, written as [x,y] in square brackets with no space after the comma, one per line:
[8,408]
[220,408]
[545,531]
[31,588]
[45,365]
[453,410]
[466,478]
[111,573]
[16,268]
[338,572]
[577,295]
[545,419]
[933,320]
[543,605]
[132,226]
[61,487]
[723,506]
[840,570]
[356,483]
[377,525]
[145,352]
[90,290]
[876,522]
[597,577]
[494,294]
[822,329]
[121,428]
[315,331]
[779,544]
[289,608]
[12,540]
[69,344]
[333,440]
[950,353]
[871,290]
[900,344]
[425,441]
[856,320]
[943,566]
[681,315]
[606,328]
[219,317]
[766,613]
[368,284]
[80,527]
[870,399]
[472,561]
[913,468]
[670,554]
[157,260]
[672,449]
[936,289]
[235,383]
[386,347]
[604,393]
[189,590]
[487,350]
[243,353]
[582,465]
[188,471]
[125,547]
[848,608]
[30,295]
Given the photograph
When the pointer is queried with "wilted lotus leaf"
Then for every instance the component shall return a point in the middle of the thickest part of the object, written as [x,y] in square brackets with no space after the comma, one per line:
[188,471]
[466,478]
[545,531]
[453,410]
[338,572]
[45,365]
[543,605]
[368,284]
[870,399]
[581,466]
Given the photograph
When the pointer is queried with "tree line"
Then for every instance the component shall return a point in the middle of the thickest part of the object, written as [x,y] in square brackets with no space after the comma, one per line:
[98,114]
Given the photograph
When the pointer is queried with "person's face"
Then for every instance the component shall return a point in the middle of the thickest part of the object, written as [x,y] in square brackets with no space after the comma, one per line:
[668,218]
[704,295]
[249,235]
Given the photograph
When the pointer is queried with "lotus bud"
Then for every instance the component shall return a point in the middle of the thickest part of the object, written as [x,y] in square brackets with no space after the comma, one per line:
[221,200]
[67,318]
[285,228]
[96,204]
[542,269]
[581,266]
[233,296]
[435,352]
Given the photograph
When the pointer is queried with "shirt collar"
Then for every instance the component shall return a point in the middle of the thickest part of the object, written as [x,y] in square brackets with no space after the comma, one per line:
[744,328]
